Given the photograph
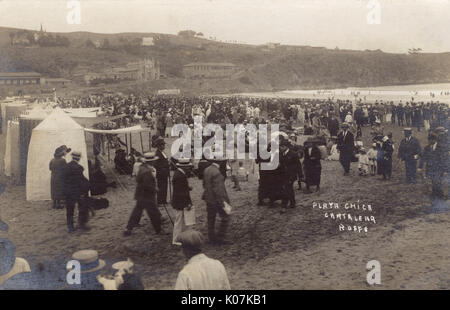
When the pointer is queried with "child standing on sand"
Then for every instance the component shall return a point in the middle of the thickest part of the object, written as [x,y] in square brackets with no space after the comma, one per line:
[373,155]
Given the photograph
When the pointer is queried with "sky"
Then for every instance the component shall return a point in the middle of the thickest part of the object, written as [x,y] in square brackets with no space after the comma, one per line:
[389,25]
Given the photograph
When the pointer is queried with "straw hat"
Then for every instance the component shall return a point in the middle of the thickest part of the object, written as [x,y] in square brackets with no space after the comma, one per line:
[89,261]
[76,155]
[183,162]
[149,157]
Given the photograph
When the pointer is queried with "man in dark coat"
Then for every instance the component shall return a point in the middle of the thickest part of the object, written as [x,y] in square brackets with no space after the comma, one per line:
[333,125]
[76,189]
[145,195]
[400,111]
[434,159]
[181,196]
[312,165]
[409,151]
[289,162]
[58,167]
[345,145]
[162,167]
[215,195]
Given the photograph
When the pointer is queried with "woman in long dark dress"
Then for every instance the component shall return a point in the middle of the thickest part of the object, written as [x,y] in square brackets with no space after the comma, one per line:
[57,167]
[311,165]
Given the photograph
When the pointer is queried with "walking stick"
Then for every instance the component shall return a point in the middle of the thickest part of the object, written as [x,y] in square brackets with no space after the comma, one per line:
[167,211]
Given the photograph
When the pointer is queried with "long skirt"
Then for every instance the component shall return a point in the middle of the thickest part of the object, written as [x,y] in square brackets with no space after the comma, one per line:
[312,175]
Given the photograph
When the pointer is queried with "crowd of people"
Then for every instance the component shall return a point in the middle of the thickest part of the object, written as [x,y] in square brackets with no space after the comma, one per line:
[334,130]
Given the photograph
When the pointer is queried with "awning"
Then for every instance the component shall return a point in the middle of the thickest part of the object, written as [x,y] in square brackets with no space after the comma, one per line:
[134,129]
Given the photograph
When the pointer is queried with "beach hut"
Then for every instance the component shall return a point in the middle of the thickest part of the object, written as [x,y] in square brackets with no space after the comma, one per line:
[55,130]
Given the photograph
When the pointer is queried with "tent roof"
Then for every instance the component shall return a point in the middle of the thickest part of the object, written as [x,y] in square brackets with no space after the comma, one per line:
[58,120]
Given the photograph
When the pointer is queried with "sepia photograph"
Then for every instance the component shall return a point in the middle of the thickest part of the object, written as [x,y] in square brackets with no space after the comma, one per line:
[224,145]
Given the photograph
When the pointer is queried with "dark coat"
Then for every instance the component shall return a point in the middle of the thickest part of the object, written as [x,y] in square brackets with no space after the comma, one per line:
[435,161]
[289,164]
[333,126]
[76,183]
[408,149]
[346,145]
[181,197]
[146,184]
[58,167]
[162,166]
[215,192]
[312,166]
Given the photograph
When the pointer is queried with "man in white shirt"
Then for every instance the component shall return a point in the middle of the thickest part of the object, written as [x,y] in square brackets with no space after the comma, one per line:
[201,272]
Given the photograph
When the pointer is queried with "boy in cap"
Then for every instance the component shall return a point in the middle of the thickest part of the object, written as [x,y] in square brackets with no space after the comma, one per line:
[201,272]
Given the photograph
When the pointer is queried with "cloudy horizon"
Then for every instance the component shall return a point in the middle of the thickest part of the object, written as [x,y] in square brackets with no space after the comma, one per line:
[403,24]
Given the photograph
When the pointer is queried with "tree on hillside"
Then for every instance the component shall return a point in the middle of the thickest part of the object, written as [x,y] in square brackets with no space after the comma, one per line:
[187,33]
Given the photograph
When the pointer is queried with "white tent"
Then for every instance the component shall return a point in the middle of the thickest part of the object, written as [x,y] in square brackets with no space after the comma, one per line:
[55,130]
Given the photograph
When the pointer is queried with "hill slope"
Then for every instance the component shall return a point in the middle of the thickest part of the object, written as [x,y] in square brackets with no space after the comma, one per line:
[261,68]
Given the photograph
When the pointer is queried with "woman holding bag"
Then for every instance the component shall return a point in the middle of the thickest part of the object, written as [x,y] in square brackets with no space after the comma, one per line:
[181,199]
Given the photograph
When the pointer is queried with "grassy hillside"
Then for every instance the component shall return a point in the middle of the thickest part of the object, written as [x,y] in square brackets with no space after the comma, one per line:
[260,68]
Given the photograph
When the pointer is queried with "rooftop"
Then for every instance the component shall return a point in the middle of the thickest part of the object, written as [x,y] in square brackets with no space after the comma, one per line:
[19,74]
[223,64]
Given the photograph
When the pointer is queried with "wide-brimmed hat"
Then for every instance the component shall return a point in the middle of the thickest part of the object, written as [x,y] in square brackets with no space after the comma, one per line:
[89,261]
[183,162]
[407,129]
[76,155]
[123,265]
[149,157]
[440,130]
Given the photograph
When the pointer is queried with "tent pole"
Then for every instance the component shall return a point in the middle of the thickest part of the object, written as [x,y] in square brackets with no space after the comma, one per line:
[142,144]
[107,144]
[126,142]
[150,141]
[131,143]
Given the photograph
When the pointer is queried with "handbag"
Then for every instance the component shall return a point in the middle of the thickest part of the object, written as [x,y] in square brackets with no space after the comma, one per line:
[227,208]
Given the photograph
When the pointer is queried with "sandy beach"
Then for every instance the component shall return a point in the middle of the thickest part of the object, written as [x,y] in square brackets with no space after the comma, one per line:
[301,249]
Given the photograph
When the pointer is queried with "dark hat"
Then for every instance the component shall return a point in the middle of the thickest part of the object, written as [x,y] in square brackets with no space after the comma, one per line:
[150,156]
[159,141]
[60,151]
[345,125]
